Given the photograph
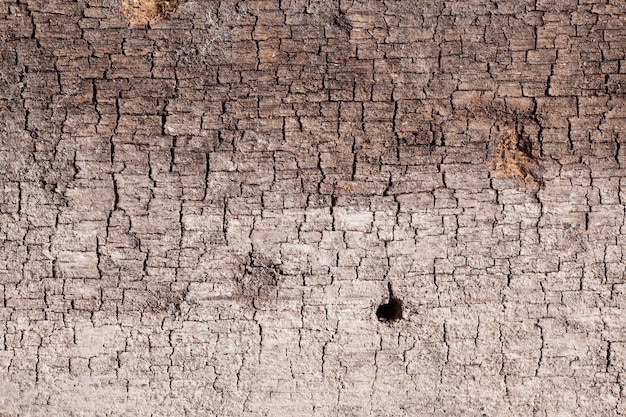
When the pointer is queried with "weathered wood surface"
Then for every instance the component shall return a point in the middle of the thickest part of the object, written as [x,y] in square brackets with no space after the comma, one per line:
[201,216]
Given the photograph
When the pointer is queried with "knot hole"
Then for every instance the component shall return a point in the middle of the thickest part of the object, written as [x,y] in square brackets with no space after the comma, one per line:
[392,310]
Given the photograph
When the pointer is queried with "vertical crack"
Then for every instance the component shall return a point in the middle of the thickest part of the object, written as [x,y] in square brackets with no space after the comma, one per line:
[354,155]
[541,349]
[446,342]
[225,220]
[617,151]
[207,164]
[172,155]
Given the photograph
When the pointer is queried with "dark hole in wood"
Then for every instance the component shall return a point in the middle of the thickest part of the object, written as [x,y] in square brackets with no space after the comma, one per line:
[390,311]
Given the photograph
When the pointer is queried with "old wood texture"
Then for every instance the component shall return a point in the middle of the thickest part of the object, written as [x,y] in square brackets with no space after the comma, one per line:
[200,210]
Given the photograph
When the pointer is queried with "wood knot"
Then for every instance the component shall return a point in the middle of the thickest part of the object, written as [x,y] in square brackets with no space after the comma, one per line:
[514,157]
[142,12]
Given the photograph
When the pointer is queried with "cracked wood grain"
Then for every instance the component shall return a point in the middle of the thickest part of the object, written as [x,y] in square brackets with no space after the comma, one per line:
[202,212]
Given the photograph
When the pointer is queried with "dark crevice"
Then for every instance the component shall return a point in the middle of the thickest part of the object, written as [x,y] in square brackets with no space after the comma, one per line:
[392,310]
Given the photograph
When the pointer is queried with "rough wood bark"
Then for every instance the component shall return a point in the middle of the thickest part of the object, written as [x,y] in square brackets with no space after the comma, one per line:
[200,215]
